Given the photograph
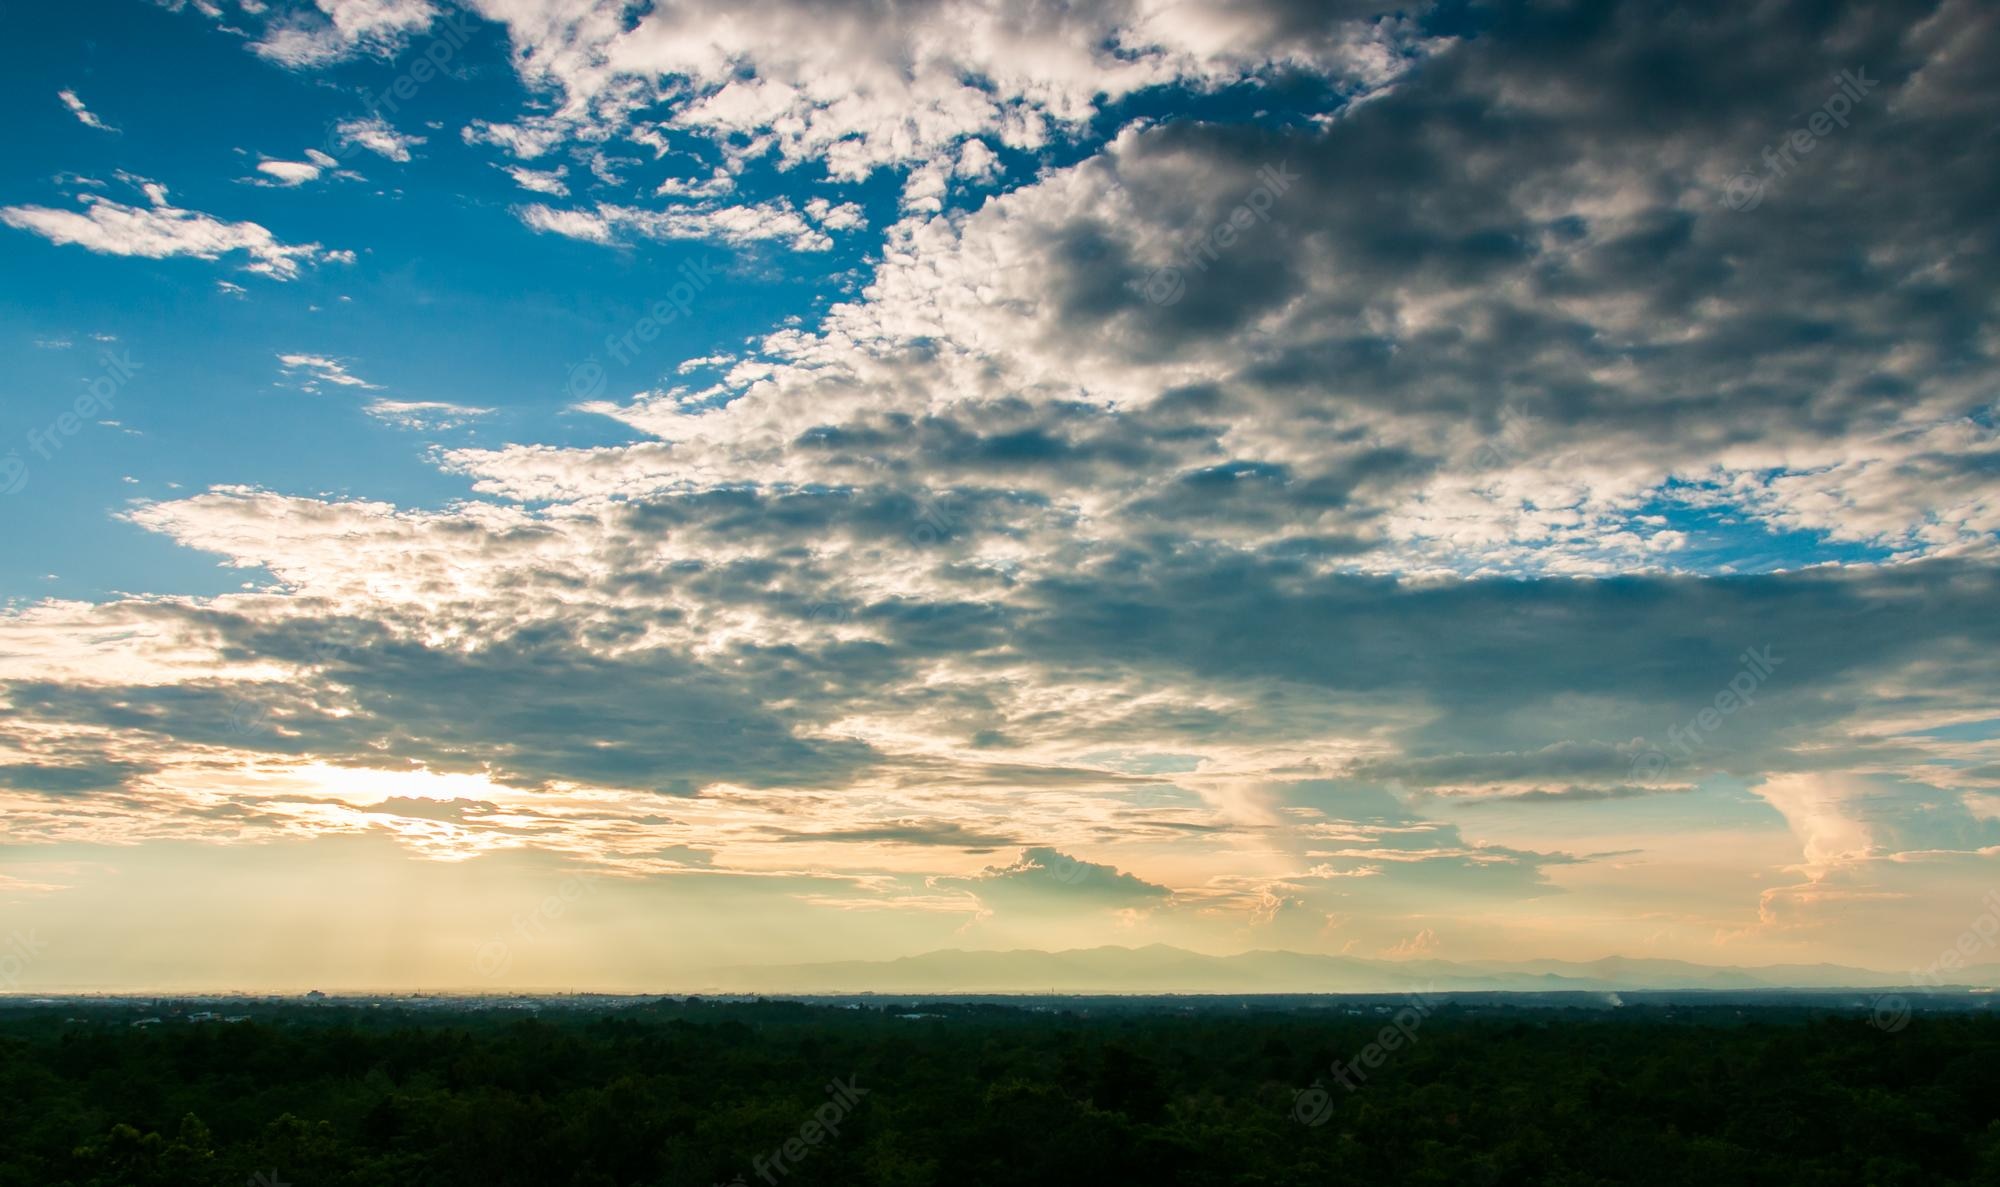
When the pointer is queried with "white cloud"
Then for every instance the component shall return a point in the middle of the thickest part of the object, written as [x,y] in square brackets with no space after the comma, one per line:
[310,370]
[161,231]
[425,415]
[846,216]
[527,139]
[715,185]
[925,188]
[377,136]
[289,173]
[976,162]
[575,224]
[870,87]
[713,360]
[82,113]
[541,181]
[735,225]
[344,28]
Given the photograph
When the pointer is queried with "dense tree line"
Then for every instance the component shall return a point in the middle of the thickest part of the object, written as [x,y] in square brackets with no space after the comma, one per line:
[701,1093]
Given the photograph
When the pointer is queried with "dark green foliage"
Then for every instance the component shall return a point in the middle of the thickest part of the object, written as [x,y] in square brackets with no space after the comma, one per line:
[698,1093]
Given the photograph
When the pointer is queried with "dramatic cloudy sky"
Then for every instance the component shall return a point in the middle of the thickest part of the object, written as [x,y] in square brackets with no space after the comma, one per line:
[538,492]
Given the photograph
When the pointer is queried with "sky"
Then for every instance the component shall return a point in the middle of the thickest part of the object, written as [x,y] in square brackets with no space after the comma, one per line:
[539,493]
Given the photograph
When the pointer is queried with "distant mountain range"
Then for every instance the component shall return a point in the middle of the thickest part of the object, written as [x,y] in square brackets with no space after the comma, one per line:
[1162,969]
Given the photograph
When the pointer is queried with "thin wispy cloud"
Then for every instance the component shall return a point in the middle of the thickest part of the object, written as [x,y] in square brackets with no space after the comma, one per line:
[735,225]
[375,134]
[425,415]
[541,181]
[310,370]
[82,113]
[161,230]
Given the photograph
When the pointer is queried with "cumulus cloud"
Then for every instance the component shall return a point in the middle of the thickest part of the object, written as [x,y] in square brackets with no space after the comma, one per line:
[1043,878]
[842,216]
[874,87]
[299,36]
[1263,390]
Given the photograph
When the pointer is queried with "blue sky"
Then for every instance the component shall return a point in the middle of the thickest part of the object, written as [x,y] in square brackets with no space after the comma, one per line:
[506,312]
[994,473]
